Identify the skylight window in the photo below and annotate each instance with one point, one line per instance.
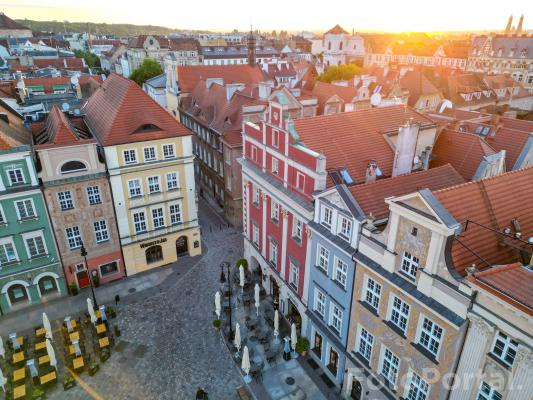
(346, 177)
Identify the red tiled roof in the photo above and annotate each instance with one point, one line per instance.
(232, 138)
(464, 151)
(72, 62)
(324, 91)
(138, 42)
(353, 139)
(181, 44)
(513, 281)
(48, 83)
(59, 130)
(371, 196)
(510, 140)
(190, 75)
(8, 23)
(117, 112)
(336, 30)
(418, 85)
(492, 202)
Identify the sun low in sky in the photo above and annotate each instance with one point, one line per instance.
(385, 15)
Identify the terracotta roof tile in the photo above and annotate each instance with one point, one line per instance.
(121, 112)
(492, 202)
(48, 83)
(60, 131)
(336, 30)
(8, 23)
(190, 75)
(371, 196)
(353, 139)
(71, 63)
(464, 151)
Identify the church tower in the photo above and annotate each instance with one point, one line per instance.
(519, 26)
(509, 24)
(251, 48)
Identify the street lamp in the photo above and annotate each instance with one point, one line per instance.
(223, 265)
(84, 255)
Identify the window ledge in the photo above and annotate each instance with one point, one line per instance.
(297, 240)
(499, 361)
(406, 276)
(361, 359)
(95, 204)
(430, 356)
(39, 256)
(395, 329)
(173, 189)
(322, 270)
(137, 196)
(371, 309)
(35, 218)
(340, 285)
(102, 241)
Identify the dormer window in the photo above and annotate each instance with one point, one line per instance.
(72, 166)
(147, 128)
(345, 229)
(327, 216)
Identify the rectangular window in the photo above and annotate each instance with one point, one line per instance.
(340, 272)
(256, 196)
(172, 181)
(100, 231)
(322, 258)
(275, 138)
(130, 156)
(7, 252)
(372, 293)
(274, 211)
(134, 187)
(300, 181)
(390, 366)
(2, 217)
(109, 269)
(175, 214)
(294, 276)
(25, 208)
(149, 153)
(504, 348)
(296, 229)
(346, 228)
(16, 177)
(255, 235)
(335, 318)
(366, 341)
(168, 151)
(486, 392)
(254, 153)
(320, 303)
(153, 184)
(273, 256)
(327, 217)
(35, 246)
(65, 200)
(417, 388)
(399, 313)
(430, 336)
(409, 264)
(93, 193)
(275, 166)
(73, 237)
(139, 221)
(158, 218)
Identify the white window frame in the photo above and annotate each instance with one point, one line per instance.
(336, 315)
(140, 223)
(8, 240)
(67, 194)
(397, 316)
(173, 183)
(487, 392)
(274, 211)
(327, 216)
(255, 234)
(365, 343)
(138, 187)
(175, 216)
(387, 357)
(273, 252)
(431, 333)
(274, 166)
(300, 177)
(24, 202)
(150, 149)
(339, 275)
(255, 199)
(73, 235)
(91, 197)
(372, 293)
(130, 152)
(416, 388)
(100, 229)
(509, 344)
(322, 258)
(320, 302)
(154, 187)
(3, 220)
(345, 228)
(14, 170)
(409, 265)
(294, 275)
(159, 217)
(297, 228)
(275, 135)
(253, 153)
(33, 235)
(171, 146)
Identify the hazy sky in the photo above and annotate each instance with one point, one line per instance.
(394, 15)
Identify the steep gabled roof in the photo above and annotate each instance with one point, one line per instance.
(418, 85)
(325, 91)
(8, 23)
(58, 131)
(190, 75)
(464, 151)
(371, 196)
(336, 30)
(493, 202)
(121, 112)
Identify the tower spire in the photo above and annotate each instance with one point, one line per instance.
(251, 47)
(509, 24)
(519, 26)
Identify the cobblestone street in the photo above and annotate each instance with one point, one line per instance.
(168, 346)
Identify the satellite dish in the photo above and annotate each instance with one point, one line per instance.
(375, 99)
(444, 105)
(104, 77)
(65, 106)
(77, 111)
(74, 80)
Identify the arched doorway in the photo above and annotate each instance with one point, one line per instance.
(256, 270)
(154, 254)
(17, 294)
(356, 390)
(182, 247)
(274, 292)
(47, 285)
(293, 315)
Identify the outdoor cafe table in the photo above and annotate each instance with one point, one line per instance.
(19, 374)
(18, 357)
(78, 363)
(40, 332)
(20, 339)
(73, 323)
(44, 359)
(100, 328)
(104, 342)
(19, 392)
(48, 377)
(72, 349)
(40, 346)
(98, 314)
(74, 336)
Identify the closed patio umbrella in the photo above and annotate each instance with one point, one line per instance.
(2, 349)
(51, 353)
(47, 327)
(237, 338)
(217, 304)
(276, 327)
(257, 297)
(294, 340)
(245, 365)
(3, 381)
(241, 276)
(90, 308)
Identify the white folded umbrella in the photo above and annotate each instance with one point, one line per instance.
(237, 338)
(47, 327)
(3, 380)
(257, 297)
(2, 349)
(241, 276)
(51, 353)
(217, 304)
(294, 339)
(245, 365)
(90, 308)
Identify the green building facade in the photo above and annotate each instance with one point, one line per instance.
(30, 267)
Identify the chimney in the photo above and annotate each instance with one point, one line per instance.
(509, 24)
(370, 175)
(405, 148)
(519, 26)
(78, 90)
(265, 89)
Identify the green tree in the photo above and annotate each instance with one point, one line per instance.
(148, 69)
(91, 59)
(343, 72)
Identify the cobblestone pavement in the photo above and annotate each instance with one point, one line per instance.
(168, 346)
